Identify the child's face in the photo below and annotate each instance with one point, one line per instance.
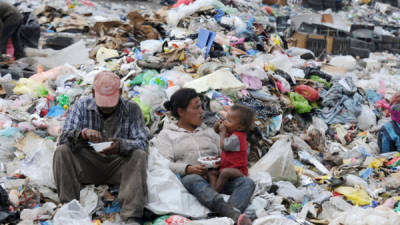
(232, 122)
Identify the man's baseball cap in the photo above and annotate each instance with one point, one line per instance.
(106, 86)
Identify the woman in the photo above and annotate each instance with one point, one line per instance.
(183, 142)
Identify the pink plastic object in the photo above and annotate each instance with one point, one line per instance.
(281, 87)
(10, 48)
(180, 2)
(383, 104)
(176, 220)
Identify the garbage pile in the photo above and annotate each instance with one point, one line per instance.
(319, 82)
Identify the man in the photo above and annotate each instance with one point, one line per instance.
(10, 21)
(105, 117)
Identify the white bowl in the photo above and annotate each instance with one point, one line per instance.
(209, 161)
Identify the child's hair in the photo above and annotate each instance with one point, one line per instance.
(246, 115)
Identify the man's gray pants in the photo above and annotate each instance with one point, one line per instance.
(72, 169)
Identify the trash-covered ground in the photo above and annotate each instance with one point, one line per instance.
(318, 73)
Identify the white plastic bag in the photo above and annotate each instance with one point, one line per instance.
(72, 213)
(278, 162)
(166, 193)
(366, 119)
(348, 62)
(151, 46)
(274, 220)
(38, 162)
(287, 189)
(213, 221)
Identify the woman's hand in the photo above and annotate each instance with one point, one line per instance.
(196, 169)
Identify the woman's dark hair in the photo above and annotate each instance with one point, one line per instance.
(180, 99)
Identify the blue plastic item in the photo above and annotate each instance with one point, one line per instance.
(114, 208)
(219, 15)
(205, 39)
(9, 132)
(55, 111)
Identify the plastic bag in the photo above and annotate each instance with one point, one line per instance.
(346, 62)
(287, 189)
(366, 119)
(300, 104)
(30, 87)
(176, 220)
(37, 150)
(307, 92)
(274, 220)
(213, 221)
(72, 213)
(278, 162)
(357, 196)
(151, 46)
(166, 193)
(369, 216)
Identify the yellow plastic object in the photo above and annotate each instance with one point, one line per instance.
(357, 196)
(103, 54)
(377, 163)
(269, 67)
(365, 1)
(30, 87)
(97, 222)
(276, 40)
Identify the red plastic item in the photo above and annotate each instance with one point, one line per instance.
(269, 10)
(392, 161)
(129, 59)
(307, 92)
(180, 2)
(177, 220)
(10, 48)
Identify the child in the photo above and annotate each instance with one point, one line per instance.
(233, 143)
(389, 134)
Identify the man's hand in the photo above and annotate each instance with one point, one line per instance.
(114, 148)
(197, 169)
(93, 135)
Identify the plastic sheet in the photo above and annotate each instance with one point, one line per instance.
(166, 193)
(278, 161)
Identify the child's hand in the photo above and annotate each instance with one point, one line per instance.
(216, 126)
